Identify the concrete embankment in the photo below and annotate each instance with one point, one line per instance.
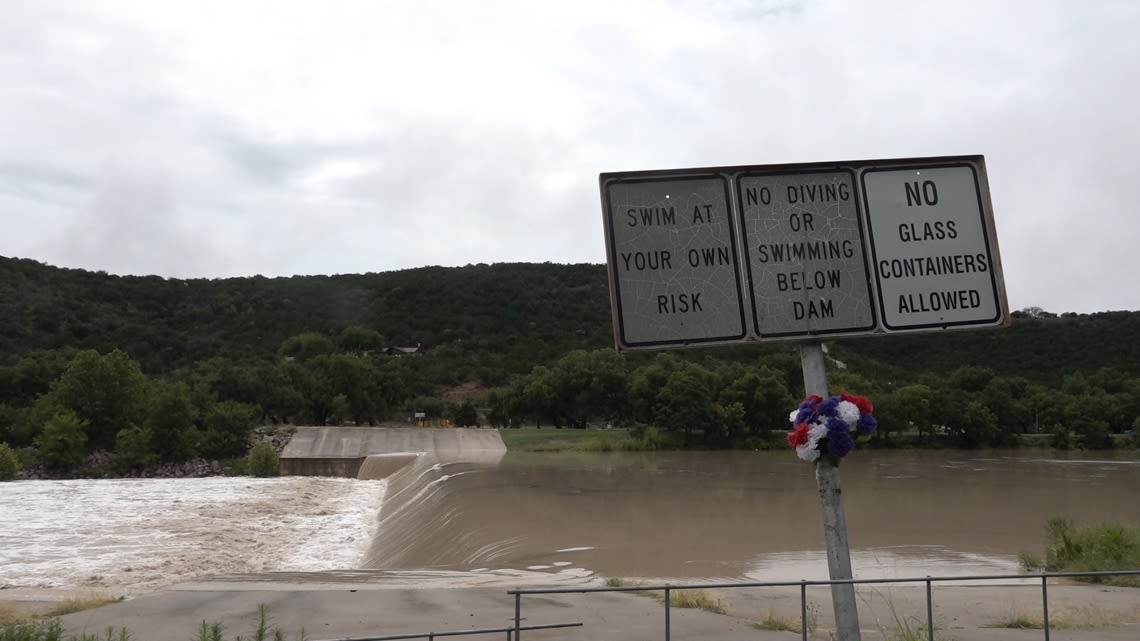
(344, 451)
(386, 606)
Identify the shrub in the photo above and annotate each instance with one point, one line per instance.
(1091, 549)
(228, 428)
(133, 449)
(9, 464)
(63, 444)
(263, 460)
(1062, 438)
(466, 415)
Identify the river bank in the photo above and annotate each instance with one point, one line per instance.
(552, 439)
(569, 519)
(387, 605)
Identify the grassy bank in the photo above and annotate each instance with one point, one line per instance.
(550, 439)
(1093, 548)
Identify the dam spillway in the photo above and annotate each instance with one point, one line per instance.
(416, 523)
(379, 452)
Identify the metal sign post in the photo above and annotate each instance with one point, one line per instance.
(802, 252)
(831, 500)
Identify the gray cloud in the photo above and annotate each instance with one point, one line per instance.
(212, 139)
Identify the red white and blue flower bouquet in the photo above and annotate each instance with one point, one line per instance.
(828, 428)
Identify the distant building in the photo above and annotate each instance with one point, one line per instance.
(395, 350)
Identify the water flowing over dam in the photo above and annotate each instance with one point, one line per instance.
(421, 466)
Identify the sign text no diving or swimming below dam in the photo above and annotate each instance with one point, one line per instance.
(804, 251)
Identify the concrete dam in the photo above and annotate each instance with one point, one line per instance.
(378, 452)
(424, 469)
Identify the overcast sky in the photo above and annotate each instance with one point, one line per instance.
(233, 138)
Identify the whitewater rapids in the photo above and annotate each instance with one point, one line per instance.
(135, 535)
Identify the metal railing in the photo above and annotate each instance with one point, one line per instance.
(514, 629)
(928, 581)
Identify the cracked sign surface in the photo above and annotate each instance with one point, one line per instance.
(931, 246)
(673, 261)
(804, 249)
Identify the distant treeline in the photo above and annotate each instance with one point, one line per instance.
(501, 344)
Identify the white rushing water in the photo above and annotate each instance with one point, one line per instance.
(134, 535)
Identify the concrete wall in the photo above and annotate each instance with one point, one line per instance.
(347, 467)
(378, 452)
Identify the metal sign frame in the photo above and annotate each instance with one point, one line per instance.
(644, 303)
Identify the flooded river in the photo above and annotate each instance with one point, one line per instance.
(537, 518)
(698, 515)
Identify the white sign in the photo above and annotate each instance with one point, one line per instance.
(814, 250)
(673, 261)
(806, 267)
(934, 262)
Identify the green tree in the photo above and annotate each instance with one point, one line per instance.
(228, 427)
(9, 463)
(15, 428)
(62, 445)
(104, 391)
(133, 450)
(761, 393)
(355, 379)
(1003, 396)
(311, 382)
(729, 424)
(281, 401)
(976, 427)
(466, 415)
(646, 382)
(360, 340)
(538, 396)
(263, 460)
(32, 376)
(588, 384)
(971, 378)
(685, 403)
(170, 420)
(305, 346)
(913, 408)
(431, 407)
(500, 408)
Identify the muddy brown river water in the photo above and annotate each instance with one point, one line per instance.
(713, 515)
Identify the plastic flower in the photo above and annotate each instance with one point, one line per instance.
(829, 426)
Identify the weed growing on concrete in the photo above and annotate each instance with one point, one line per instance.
(903, 627)
(262, 630)
(694, 599)
(1063, 618)
(51, 629)
(780, 623)
(79, 604)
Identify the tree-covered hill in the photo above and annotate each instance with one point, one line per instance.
(498, 317)
(1043, 348)
(489, 321)
(163, 369)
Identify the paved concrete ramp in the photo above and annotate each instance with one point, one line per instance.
(378, 452)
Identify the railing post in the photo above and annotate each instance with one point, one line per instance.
(518, 615)
(667, 598)
(1045, 605)
(929, 612)
(803, 610)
